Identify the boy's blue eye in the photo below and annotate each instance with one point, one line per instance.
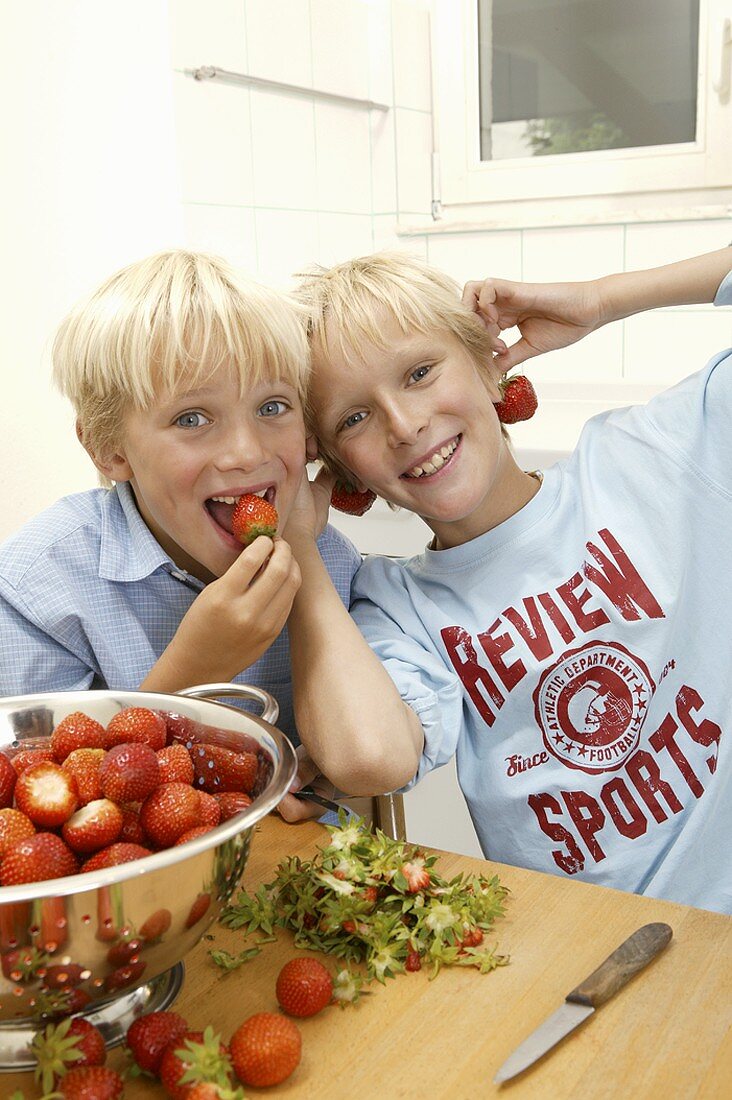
(273, 408)
(353, 419)
(191, 420)
(419, 373)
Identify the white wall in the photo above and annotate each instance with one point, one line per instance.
(114, 152)
(89, 183)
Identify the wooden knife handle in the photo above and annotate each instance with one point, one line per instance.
(619, 968)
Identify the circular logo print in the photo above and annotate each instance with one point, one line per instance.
(590, 706)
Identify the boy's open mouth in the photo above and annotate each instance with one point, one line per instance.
(221, 508)
(435, 461)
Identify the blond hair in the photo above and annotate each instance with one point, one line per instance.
(346, 303)
(169, 322)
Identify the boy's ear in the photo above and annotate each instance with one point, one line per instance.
(311, 448)
(493, 375)
(114, 466)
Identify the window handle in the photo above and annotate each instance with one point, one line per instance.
(722, 86)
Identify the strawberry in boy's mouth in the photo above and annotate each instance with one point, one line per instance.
(434, 462)
(221, 508)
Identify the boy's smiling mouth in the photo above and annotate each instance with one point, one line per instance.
(221, 508)
(434, 462)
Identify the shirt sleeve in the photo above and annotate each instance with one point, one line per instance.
(400, 641)
(32, 661)
(694, 418)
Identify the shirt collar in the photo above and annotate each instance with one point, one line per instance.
(128, 550)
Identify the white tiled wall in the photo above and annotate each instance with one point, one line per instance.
(277, 179)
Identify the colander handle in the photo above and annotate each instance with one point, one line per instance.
(270, 706)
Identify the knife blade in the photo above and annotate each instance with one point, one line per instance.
(632, 955)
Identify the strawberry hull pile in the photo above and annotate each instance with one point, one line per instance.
(375, 902)
(91, 797)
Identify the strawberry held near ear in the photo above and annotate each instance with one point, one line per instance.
(518, 399)
(253, 516)
(347, 498)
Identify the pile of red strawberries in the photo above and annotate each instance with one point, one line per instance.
(91, 797)
(190, 1064)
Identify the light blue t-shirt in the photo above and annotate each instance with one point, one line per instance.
(577, 658)
(89, 599)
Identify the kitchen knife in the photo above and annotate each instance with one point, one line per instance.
(637, 951)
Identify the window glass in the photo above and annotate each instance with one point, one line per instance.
(568, 76)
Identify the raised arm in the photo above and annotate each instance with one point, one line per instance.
(349, 714)
(553, 315)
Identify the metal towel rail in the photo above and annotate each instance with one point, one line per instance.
(223, 76)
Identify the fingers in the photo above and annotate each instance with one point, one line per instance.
(293, 809)
(515, 354)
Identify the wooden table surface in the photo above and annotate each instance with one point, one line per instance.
(667, 1035)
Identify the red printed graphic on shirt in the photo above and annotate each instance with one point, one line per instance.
(490, 665)
(654, 785)
(590, 706)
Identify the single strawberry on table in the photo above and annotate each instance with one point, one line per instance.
(304, 987)
(345, 497)
(91, 1083)
(518, 399)
(253, 516)
(265, 1049)
(148, 1036)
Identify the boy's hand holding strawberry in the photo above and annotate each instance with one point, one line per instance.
(234, 620)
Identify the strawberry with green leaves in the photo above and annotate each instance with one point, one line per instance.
(148, 1036)
(193, 1058)
(518, 399)
(59, 1047)
(253, 516)
(345, 497)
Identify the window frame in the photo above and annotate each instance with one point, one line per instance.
(614, 174)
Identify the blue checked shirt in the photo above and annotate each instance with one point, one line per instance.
(89, 599)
